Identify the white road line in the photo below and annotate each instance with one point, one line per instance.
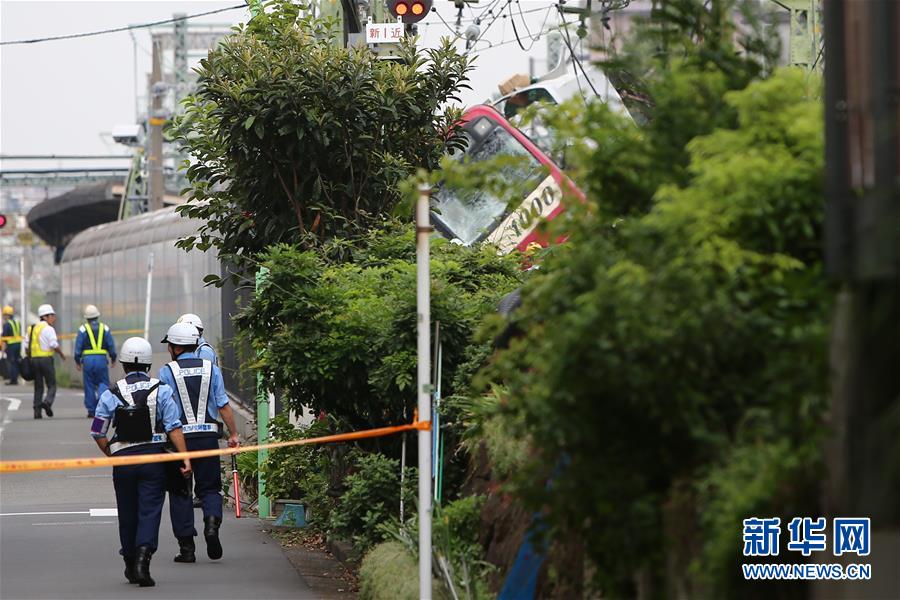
(76, 523)
(14, 403)
(94, 512)
(31, 514)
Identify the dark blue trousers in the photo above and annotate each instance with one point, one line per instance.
(12, 360)
(140, 493)
(95, 375)
(207, 487)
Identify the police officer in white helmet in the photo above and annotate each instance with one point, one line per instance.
(204, 348)
(200, 393)
(140, 412)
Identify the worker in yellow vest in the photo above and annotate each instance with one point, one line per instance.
(95, 351)
(41, 344)
(11, 343)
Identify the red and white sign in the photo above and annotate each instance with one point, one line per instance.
(384, 33)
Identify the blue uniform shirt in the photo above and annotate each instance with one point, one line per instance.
(217, 393)
(82, 342)
(207, 352)
(166, 410)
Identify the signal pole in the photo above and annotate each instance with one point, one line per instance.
(157, 120)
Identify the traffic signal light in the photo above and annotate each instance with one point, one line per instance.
(2, 221)
(410, 11)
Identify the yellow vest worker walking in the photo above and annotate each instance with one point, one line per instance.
(95, 351)
(41, 344)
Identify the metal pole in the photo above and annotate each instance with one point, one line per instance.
(149, 294)
(157, 119)
(262, 424)
(423, 326)
(23, 303)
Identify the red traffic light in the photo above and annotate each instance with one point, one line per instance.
(410, 11)
(2, 221)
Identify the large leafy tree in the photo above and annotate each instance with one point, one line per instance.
(671, 373)
(296, 139)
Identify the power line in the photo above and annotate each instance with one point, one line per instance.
(577, 60)
(530, 36)
(488, 26)
(118, 29)
(538, 36)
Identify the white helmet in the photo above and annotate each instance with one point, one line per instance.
(45, 309)
(91, 312)
(191, 319)
(136, 351)
(182, 334)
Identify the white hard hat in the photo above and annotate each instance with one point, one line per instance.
(182, 334)
(136, 351)
(45, 309)
(91, 312)
(190, 319)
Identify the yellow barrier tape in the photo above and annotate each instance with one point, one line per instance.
(59, 464)
(72, 336)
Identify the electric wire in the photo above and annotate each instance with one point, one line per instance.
(530, 36)
(118, 29)
(568, 41)
(490, 24)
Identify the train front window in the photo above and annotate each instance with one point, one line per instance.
(470, 215)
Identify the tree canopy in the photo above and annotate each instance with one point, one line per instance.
(295, 139)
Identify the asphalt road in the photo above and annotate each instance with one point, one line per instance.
(59, 533)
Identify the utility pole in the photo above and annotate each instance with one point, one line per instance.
(862, 252)
(157, 120)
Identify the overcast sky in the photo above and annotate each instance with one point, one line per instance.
(59, 97)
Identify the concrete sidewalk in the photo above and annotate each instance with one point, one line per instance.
(59, 538)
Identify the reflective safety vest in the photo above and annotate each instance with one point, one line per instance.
(192, 382)
(34, 347)
(16, 337)
(96, 345)
(141, 393)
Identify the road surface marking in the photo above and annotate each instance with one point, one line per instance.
(76, 523)
(30, 514)
(94, 512)
(14, 403)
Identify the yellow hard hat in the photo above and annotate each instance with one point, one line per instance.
(8, 310)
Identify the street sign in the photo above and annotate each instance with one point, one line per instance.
(384, 33)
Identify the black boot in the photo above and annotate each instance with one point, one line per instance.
(186, 550)
(211, 533)
(37, 414)
(142, 567)
(48, 409)
(129, 570)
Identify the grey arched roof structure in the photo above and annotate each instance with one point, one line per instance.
(143, 230)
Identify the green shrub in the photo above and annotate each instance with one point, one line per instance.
(390, 572)
(304, 472)
(371, 497)
(337, 326)
(677, 357)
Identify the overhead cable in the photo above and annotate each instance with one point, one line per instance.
(118, 29)
(568, 41)
(530, 36)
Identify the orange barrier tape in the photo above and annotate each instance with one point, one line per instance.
(58, 464)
